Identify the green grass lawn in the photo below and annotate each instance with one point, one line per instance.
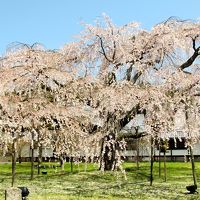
(93, 184)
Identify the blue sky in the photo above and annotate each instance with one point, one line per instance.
(55, 22)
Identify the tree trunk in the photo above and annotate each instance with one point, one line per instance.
(138, 153)
(62, 163)
(152, 159)
(32, 157)
(19, 155)
(165, 170)
(32, 163)
(39, 158)
(13, 162)
(108, 161)
(109, 147)
(85, 164)
(193, 165)
(159, 162)
(71, 162)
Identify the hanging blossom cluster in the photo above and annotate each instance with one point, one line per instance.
(40, 96)
(79, 98)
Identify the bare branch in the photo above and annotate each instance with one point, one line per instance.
(194, 44)
(114, 51)
(103, 50)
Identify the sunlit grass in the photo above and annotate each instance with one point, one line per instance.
(93, 184)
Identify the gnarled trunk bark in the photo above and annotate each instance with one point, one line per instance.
(108, 154)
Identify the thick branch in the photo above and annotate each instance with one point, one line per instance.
(196, 53)
(129, 116)
(136, 77)
(128, 73)
(190, 61)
